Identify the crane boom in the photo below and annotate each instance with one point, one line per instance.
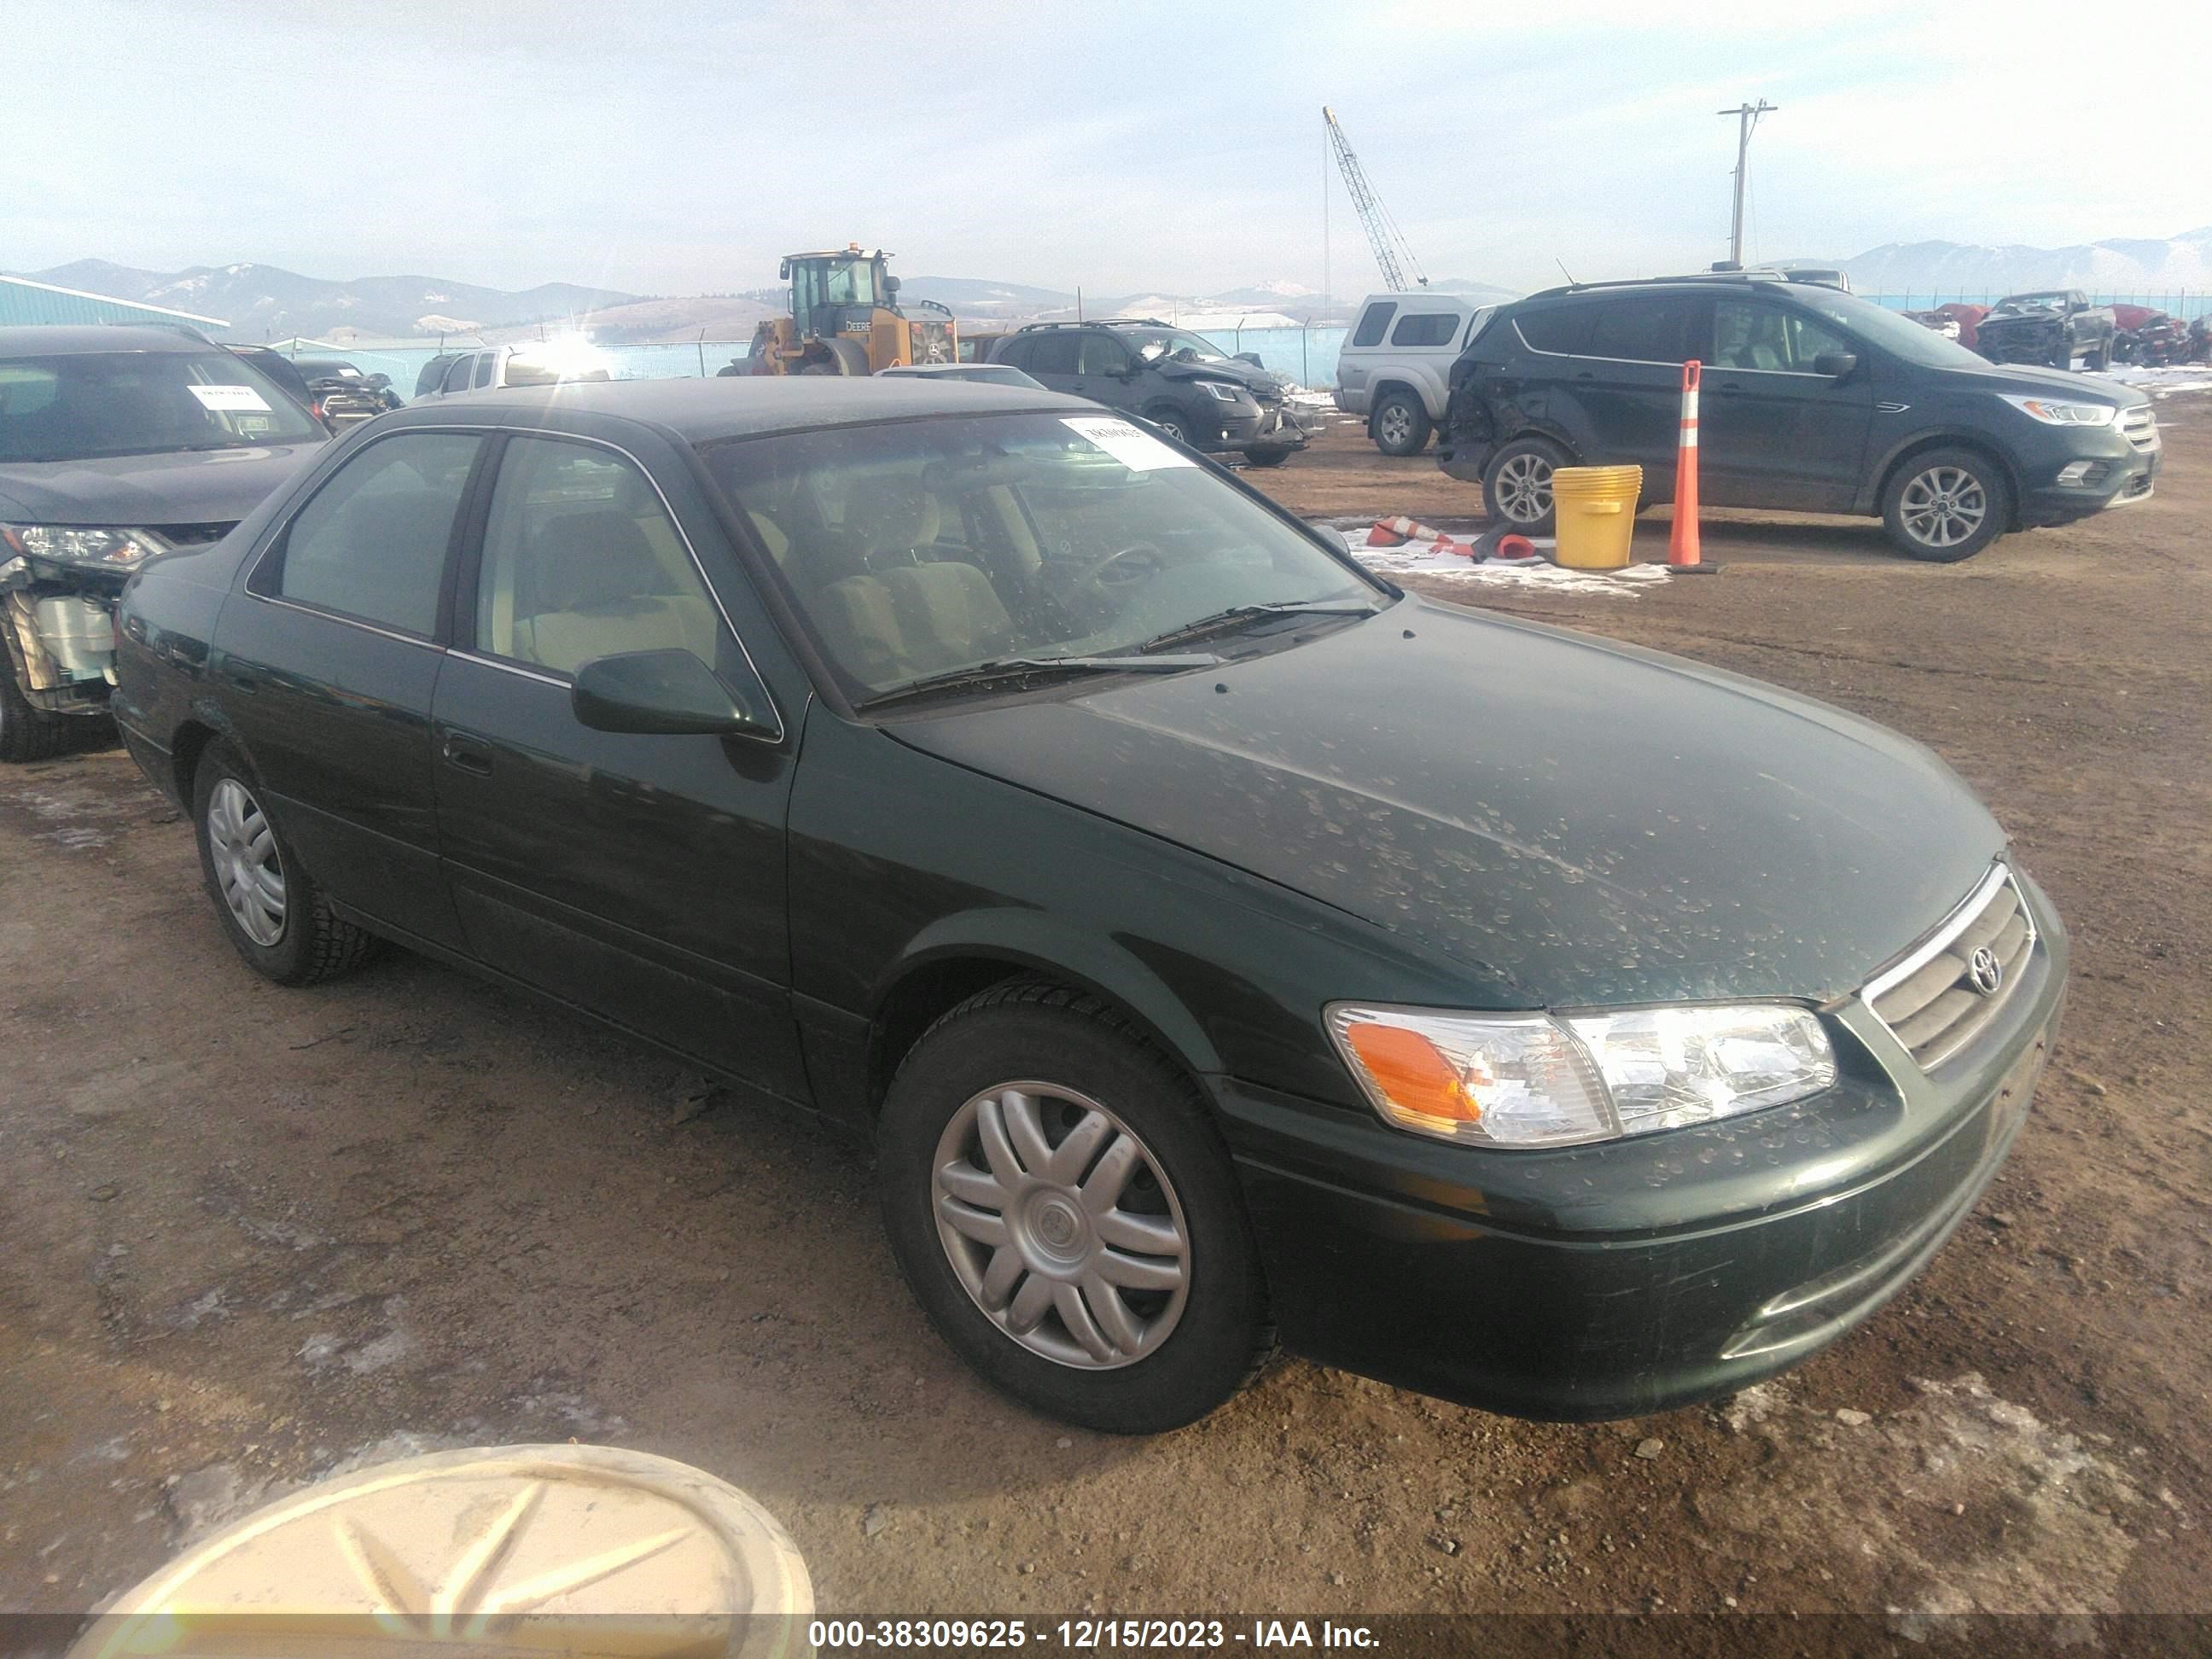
(1391, 252)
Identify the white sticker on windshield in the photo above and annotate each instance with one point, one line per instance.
(1132, 446)
(228, 399)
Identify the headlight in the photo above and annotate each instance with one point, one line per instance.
(1227, 394)
(2052, 413)
(116, 549)
(1532, 1081)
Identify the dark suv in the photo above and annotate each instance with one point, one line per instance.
(1183, 383)
(1812, 401)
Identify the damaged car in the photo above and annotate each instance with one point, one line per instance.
(116, 444)
(2053, 327)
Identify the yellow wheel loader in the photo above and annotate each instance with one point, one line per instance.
(845, 319)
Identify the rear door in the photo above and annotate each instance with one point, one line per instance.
(641, 877)
(329, 661)
(1772, 430)
(1052, 358)
(1627, 378)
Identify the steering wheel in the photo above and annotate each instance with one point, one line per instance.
(1131, 563)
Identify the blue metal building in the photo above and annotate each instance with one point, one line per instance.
(24, 301)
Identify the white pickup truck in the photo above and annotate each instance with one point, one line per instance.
(1396, 366)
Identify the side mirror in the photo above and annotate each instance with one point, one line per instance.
(1835, 364)
(891, 283)
(665, 693)
(1251, 357)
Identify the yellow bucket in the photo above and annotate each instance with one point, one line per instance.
(1596, 514)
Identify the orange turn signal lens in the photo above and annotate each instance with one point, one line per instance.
(1412, 1072)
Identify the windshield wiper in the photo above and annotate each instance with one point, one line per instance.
(1018, 668)
(1222, 621)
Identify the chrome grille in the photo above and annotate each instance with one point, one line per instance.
(2140, 426)
(1931, 1001)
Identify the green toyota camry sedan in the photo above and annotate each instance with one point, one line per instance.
(1220, 946)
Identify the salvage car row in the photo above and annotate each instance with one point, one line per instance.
(982, 770)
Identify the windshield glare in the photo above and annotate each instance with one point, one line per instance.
(1892, 331)
(93, 404)
(2054, 301)
(1183, 346)
(925, 547)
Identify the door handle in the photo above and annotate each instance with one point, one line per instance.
(469, 754)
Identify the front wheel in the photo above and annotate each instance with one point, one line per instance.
(1946, 505)
(1065, 1211)
(1170, 420)
(1517, 485)
(27, 733)
(1267, 457)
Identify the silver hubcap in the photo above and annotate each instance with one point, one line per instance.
(1396, 425)
(1943, 507)
(1524, 488)
(1062, 1225)
(246, 866)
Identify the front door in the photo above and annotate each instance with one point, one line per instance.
(328, 664)
(641, 877)
(1102, 369)
(1772, 430)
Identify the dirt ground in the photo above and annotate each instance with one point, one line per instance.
(247, 1233)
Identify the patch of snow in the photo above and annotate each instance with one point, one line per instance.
(2164, 380)
(1423, 558)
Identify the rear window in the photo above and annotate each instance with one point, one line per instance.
(1373, 321)
(93, 403)
(1562, 329)
(1425, 328)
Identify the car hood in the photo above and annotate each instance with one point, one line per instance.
(1256, 380)
(1571, 822)
(214, 486)
(2028, 380)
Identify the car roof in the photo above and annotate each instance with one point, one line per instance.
(75, 339)
(701, 411)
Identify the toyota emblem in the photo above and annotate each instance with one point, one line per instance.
(1984, 972)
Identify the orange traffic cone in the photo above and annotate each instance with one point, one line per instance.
(1683, 555)
(1396, 533)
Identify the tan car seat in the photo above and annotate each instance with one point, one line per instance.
(602, 591)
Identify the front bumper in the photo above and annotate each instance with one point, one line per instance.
(1271, 426)
(2069, 476)
(1638, 1275)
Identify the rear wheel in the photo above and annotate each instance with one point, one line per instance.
(1946, 505)
(274, 915)
(27, 733)
(1067, 1215)
(1517, 485)
(1267, 457)
(1401, 425)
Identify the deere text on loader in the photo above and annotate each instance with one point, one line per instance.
(845, 319)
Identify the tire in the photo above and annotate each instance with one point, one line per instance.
(1169, 420)
(1516, 484)
(1941, 492)
(303, 943)
(1193, 1327)
(27, 733)
(2101, 359)
(1267, 457)
(1401, 425)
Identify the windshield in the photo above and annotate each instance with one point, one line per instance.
(93, 403)
(1181, 345)
(924, 547)
(850, 283)
(2053, 300)
(1892, 331)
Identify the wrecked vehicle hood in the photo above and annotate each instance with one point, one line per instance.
(1258, 381)
(212, 486)
(1569, 821)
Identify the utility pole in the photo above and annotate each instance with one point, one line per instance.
(1747, 117)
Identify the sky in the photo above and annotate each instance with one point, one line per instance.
(679, 146)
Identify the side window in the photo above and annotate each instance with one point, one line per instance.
(1054, 353)
(457, 375)
(580, 560)
(1648, 328)
(1749, 335)
(1425, 328)
(1015, 350)
(1373, 321)
(1563, 329)
(1101, 354)
(485, 365)
(372, 541)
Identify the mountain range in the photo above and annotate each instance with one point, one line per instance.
(2122, 265)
